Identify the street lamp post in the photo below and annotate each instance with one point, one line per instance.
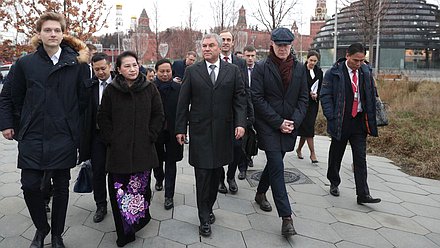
(335, 40)
(376, 67)
(118, 23)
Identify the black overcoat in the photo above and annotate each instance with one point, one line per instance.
(130, 119)
(272, 105)
(215, 111)
(166, 145)
(48, 98)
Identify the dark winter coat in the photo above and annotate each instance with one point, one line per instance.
(9, 118)
(48, 98)
(333, 100)
(88, 121)
(216, 110)
(170, 95)
(130, 119)
(272, 104)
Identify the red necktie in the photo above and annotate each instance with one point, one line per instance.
(354, 86)
(226, 59)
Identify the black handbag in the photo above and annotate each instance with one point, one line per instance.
(381, 113)
(84, 180)
(250, 143)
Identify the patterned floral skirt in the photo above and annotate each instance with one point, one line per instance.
(130, 196)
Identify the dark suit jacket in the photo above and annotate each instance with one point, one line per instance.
(88, 125)
(179, 68)
(272, 104)
(215, 111)
(241, 63)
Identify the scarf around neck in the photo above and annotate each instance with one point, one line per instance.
(284, 67)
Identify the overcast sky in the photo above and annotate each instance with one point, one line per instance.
(174, 13)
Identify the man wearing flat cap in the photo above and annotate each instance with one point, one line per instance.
(280, 97)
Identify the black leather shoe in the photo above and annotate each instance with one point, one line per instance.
(168, 204)
(121, 242)
(205, 229)
(242, 175)
(100, 214)
(262, 201)
(57, 242)
(211, 218)
(334, 190)
(233, 187)
(367, 199)
(222, 188)
(158, 186)
(287, 228)
(38, 241)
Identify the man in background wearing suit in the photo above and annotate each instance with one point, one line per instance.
(93, 147)
(239, 156)
(217, 96)
(179, 66)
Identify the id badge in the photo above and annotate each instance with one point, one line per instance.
(356, 96)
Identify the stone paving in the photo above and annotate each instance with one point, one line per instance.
(408, 216)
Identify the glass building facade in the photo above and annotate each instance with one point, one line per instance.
(409, 34)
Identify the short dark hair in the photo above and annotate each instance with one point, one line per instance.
(162, 61)
(100, 56)
(149, 69)
(227, 31)
(355, 48)
(313, 53)
(238, 52)
(249, 48)
(51, 16)
(124, 55)
(191, 53)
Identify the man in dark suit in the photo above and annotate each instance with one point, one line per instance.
(93, 147)
(217, 96)
(179, 66)
(280, 97)
(239, 156)
(348, 102)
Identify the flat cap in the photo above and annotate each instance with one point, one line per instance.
(282, 36)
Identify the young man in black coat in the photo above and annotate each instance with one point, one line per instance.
(280, 96)
(217, 96)
(47, 92)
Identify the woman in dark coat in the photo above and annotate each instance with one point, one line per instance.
(130, 118)
(168, 150)
(307, 128)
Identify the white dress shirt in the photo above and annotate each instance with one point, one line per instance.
(102, 87)
(216, 70)
(56, 57)
(350, 74)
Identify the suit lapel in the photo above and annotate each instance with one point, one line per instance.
(203, 71)
(223, 71)
(276, 72)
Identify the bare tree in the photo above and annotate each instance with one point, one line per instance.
(224, 13)
(367, 14)
(156, 27)
(272, 13)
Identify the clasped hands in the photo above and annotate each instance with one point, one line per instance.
(239, 132)
(287, 126)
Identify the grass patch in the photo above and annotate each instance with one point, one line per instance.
(412, 139)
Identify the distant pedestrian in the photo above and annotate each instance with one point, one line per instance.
(307, 128)
(348, 101)
(179, 66)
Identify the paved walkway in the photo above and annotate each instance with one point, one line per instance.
(409, 215)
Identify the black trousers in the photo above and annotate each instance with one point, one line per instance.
(273, 176)
(353, 132)
(98, 158)
(240, 162)
(31, 181)
(207, 181)
(169, 176)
